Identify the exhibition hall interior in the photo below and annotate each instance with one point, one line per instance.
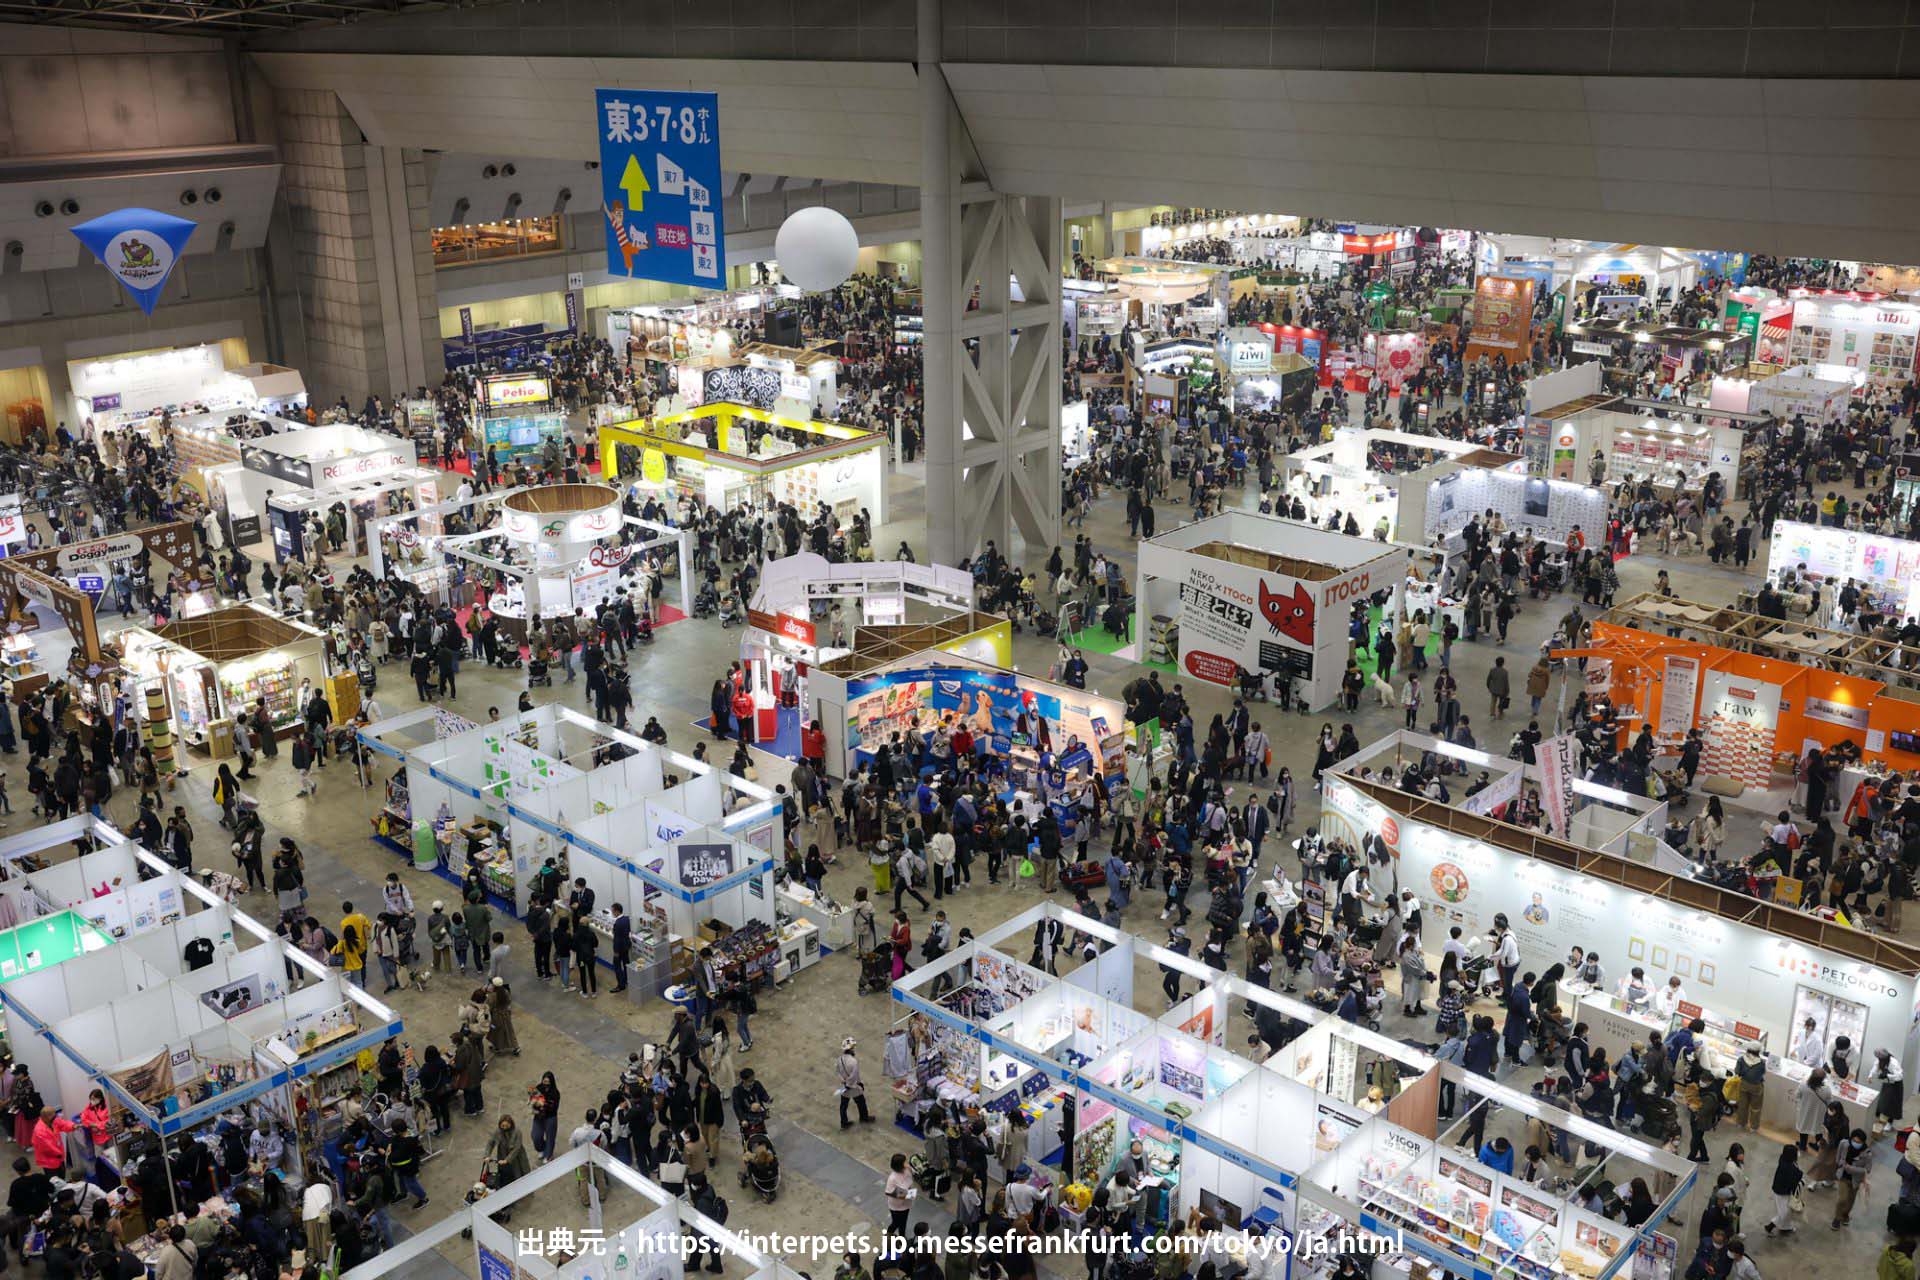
(958, 640)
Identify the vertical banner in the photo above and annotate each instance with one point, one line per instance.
(1559, 758)
(1679, 691)
(660, 185)
(466, 325)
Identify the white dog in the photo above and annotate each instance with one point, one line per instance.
(1388, 698)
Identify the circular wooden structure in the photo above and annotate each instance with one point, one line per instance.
(562, 499)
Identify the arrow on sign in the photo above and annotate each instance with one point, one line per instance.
(633, 181)
(673, 179)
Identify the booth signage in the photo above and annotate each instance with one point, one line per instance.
(521, 390)
(703, 864)
(267, 462)
(660, 185)
(87, 555)
(102, 404)
(609, 557)
(366, 466)
(1831, 712)
(1591, 349)
(13, 525)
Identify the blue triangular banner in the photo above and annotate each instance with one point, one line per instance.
(139, 246)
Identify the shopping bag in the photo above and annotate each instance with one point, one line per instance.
(1026, 868)
(1797, 1202)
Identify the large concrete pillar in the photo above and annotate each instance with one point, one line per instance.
(362, 254)
(992, 372)
(939, 305)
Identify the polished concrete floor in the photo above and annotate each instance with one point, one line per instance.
(834, 1177)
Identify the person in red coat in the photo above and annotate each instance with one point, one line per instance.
(813, 747)
(743, 714)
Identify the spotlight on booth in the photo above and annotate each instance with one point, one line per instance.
(816, 248)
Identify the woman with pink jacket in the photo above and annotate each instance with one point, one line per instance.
(50, 1140)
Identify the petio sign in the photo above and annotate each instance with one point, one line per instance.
(103, 551)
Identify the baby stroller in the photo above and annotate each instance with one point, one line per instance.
(761, 1169)
(538, 672)
(706, 602)
(1083, 875)
(876, 970)
(363, 671)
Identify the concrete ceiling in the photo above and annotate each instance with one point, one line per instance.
(1823, 168)
(1818, 167)
(854, 121)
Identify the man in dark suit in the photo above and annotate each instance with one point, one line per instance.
(622, 945)
(1254, 818)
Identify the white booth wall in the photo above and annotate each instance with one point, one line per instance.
(1444, 502)
(1730, 968)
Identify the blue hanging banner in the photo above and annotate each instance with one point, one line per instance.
(660, 185)
(139, 246)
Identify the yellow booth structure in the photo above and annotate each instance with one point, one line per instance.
(727, 454)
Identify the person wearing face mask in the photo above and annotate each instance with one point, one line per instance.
(1889, 1108)
(1855, 1161)
(1809, 1047)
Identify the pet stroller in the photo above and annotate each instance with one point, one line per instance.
(538, 672)
(1084, 875)
(876, 969)
(761, 1169)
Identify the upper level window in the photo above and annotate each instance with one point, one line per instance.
(486, 241)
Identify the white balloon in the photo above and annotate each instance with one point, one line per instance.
(816, 248)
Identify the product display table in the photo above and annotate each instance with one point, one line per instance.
(835, 924)
(1610, 1025)
(1778, 1109)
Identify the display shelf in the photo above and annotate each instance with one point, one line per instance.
(274, 685)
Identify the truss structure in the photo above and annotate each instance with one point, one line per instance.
(233, 17)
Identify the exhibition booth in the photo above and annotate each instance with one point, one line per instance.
(1598, 817)
(1438, 501)
(629, 1226)
(1338, 1132)
(1803, 686)
(181, 1009)
(796, 610)
(1162, 374)
(730, 454)
(214, 668)
(1043, 737)
(1753, 970)
(1349, 474)
(297, 518)
(688, 849)
(1816, 395)
(516, 417)
(1261, 378)
(1885, 569)
(1676, 453)
(1866, 333)
(1241, 604)
(304, 461)
(1092, 309)
(114, 392)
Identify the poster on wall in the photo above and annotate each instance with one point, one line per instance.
(1237, 617)
(1502, 314)
(1739, 717)
(703, 864)
(1679, 691)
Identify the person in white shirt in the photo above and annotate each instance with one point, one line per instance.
(316, 1212)
(1809, 1046)
(1667, 1002)
(1455, 947)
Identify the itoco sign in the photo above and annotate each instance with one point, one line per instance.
(91, 555)
(1347, 589)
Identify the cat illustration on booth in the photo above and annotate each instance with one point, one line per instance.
(1290, 616)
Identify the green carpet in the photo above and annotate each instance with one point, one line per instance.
(1366, 658)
